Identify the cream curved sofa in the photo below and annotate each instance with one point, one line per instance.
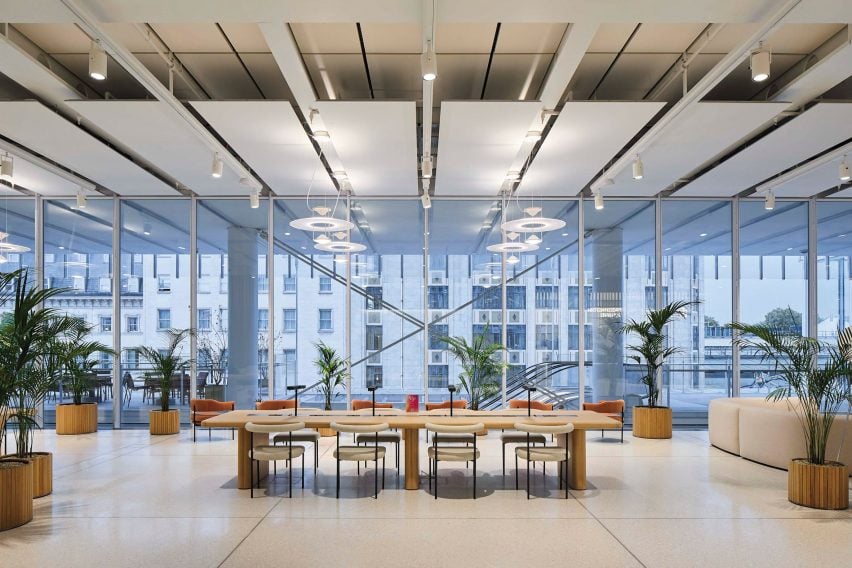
(768, 432)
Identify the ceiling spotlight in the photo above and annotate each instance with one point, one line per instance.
(769, 201)
(761, 60)
(97, 62)
(844, 173)
(533, 239)
(426, 201)
(599, 202)
(81, 199)
(429, 63)
(513, 260)
(146, 229)
(217, 168)
(638, 169)
(7, 166)
(426, 166)
(533, 136)
(322, 136)
(254, 198)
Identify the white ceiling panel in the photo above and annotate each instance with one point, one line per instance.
(30, 176)
(152, 131)
(704, 131)
(812, 182)
(585, 136)
(270, 138)
(376, 142)
(478, 143)
(35, 126)
(821, 127)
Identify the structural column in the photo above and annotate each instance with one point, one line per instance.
(607, 252)
(242, 316)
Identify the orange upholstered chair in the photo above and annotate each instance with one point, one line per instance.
(364, 404)
(612, 408)
(534, 404)
(275, 405)
(445, 404)
(200, 409)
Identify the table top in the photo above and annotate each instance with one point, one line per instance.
(505, 419)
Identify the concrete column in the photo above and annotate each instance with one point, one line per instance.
(607, 252)
(242, 316)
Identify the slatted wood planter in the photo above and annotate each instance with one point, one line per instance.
(16, 493)
(42, 473)
(818, 486)
(76, 418)
(654, 423)
(164, 423)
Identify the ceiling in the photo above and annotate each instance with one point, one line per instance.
(603, 84)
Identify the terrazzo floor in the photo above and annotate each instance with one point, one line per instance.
(124, 498)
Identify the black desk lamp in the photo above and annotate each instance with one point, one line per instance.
(296, 388)
(530, 389)
(452, 389)
(372, 389)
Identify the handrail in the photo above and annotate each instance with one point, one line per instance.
(532, 375)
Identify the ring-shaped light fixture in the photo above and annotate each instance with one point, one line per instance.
(532, 225)
(342, 246)
(510, 247)
(322, 224)
(10, 247)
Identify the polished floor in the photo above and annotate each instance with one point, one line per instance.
(123, 498)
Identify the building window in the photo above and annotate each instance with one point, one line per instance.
(164, 319)
(262, 320)
(104, 360)
(325, 320)
(373, 300)
(436, 332)
(547, 297)
(486, 298)
(289, 320)
(132, 360)
(132, 324)
(204, 319)
(164, 283)
(374, 337)
(546, 337)
(290, 366)
(516, 298)
(516, 337)
(374, 376)
(289, 284)
(106, 324)
(439, 376)
(439, 297)
(325, 285)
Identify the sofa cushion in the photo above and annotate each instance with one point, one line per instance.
(723, 424)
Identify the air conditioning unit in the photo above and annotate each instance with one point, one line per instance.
(437, 278)
(545, 356)
(546, 317)
(374, 317)
(547, 281)
(517, 357)
(484, 280)
(437, 357)
(372, 281)
(516, 316)
(374, 358)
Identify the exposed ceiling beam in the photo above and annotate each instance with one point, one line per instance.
(36, 160)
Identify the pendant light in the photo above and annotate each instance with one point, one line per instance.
(532, 222)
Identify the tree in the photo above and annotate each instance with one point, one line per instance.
(710, 321)
(784, 318)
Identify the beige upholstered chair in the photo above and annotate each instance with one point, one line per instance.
(521, 437)
(441, 451)
(388, 437)
(361, 453)
(543, 454)
(274, 453)
(306, 436)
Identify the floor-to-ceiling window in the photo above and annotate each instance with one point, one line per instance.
(697, 267)
(834, 267)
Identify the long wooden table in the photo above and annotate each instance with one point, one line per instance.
(411, 424)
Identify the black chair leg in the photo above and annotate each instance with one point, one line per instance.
(303, 470)
(504, 460)
(528, 476)
(383, 473)
(517, 485)
(251, 479)
(290, 474)
(436, 477)
(209, 434)
(474, 478)
(193, 432)
(338, 479)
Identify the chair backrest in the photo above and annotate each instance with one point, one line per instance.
(544, 428)
(362, 404)
(455, 428)
(605, 406)
(360, 428)
(534, 404)
(209, 405)
(275, 428)
(274, 404)
(446, 404)
(379, 410)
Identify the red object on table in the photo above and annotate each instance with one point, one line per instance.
(412, 403)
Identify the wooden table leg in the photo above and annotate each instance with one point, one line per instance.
(411, 437)
(577, 466)
(243, 461)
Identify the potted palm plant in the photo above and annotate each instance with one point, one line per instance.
(164, 364)
(76, 359)
(333, 371)
(815, 380)
(653, 420)
(480, 365)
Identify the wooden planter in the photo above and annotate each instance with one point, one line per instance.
(77, 418)
(326, 432)
(654, 423)
(42, 473)
(818, 486)
(163, 423)
(16, 493)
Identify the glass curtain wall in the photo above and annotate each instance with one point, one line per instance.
(155, 298)
(773, 280)
(697, 267)
(834, 268)
(620, 261)
(78, 258)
